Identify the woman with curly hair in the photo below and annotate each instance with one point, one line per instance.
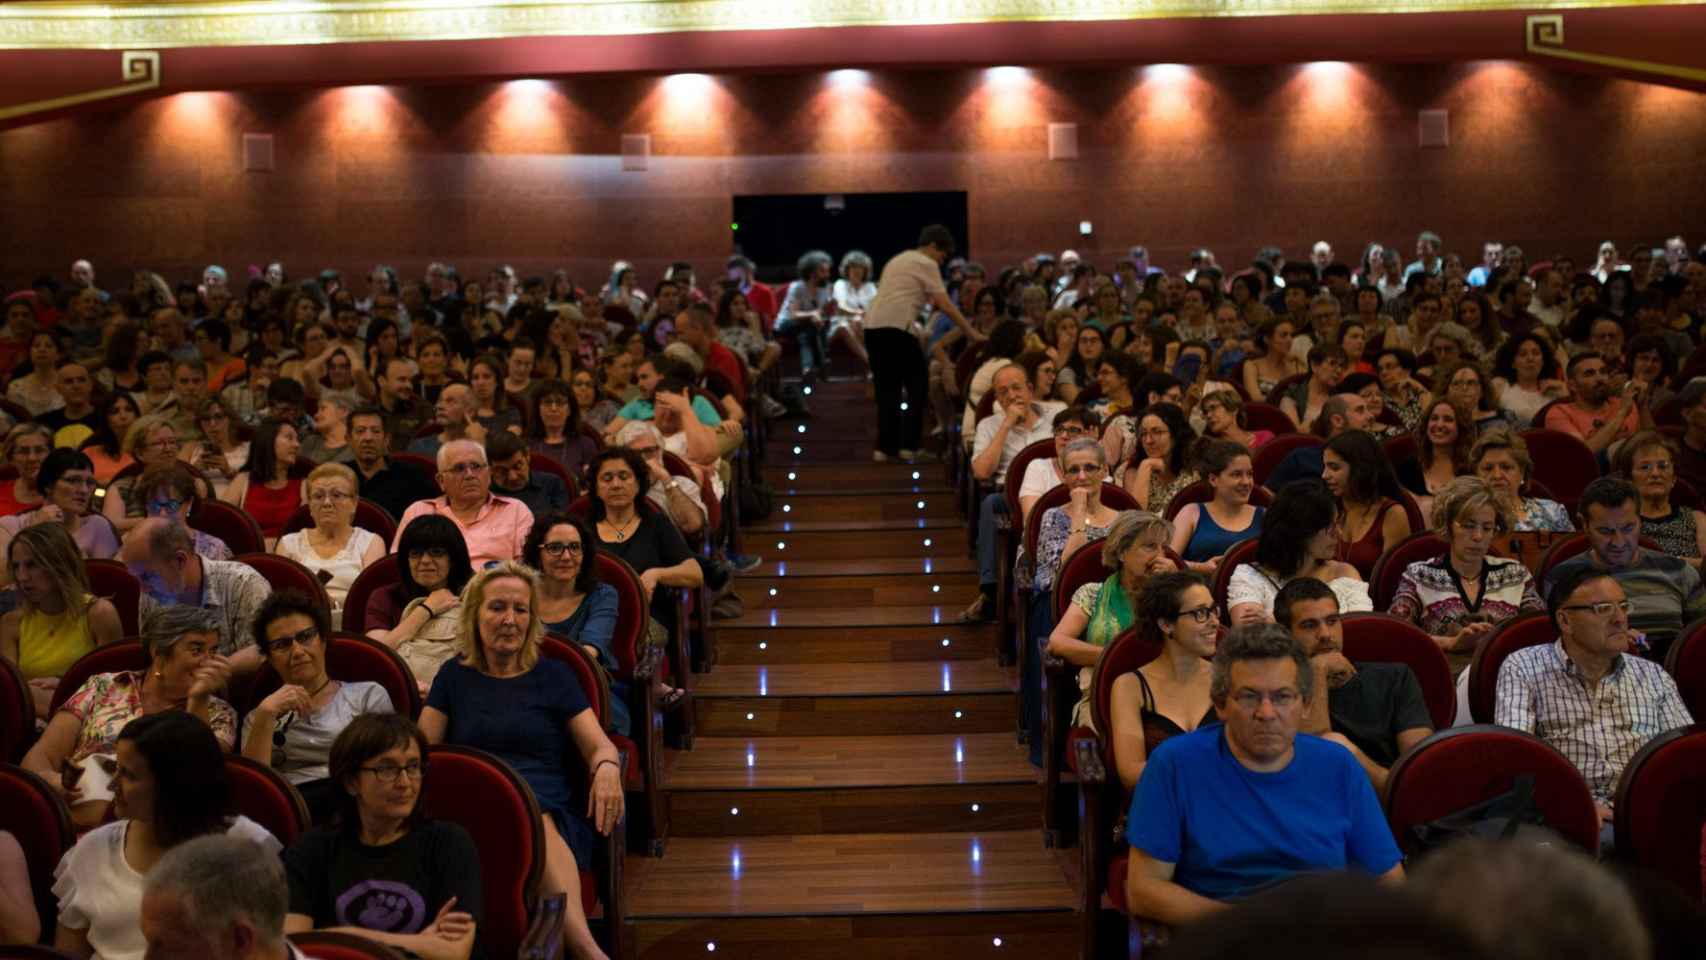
(806, 308)
(1443, 442)
(853, 294)
(1160, 466)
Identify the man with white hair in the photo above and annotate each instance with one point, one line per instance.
(494, 527)
(1320, 255)
(217, 897)
(680, 497)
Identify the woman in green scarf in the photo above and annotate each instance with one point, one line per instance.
(1136, 547)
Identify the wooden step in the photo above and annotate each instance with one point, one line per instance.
(869, 714)
(852, 679)
(812, 763)
(955, 590)
(941, 540)
(902, 526)
(852, 475)
(766, 813)
(872, 508)
(848, 569)
(1050, 934)
(772, 645)
(848, 617)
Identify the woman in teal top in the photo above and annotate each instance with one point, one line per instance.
(1203, 532)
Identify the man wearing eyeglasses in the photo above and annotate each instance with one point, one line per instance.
(1585, 694)
(1374, 710)
(1229, 809)
(495, 527)
(1664, 592)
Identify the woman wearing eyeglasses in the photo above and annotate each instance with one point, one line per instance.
(153, 442)
(220, 453)
(383, 872)
(1169, 695)
(67, 482)
(292, 729)
(555, 431)
(420, 617)
(334, 547)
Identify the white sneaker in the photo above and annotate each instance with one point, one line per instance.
(881, 457)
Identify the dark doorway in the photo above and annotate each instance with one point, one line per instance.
(775, 229)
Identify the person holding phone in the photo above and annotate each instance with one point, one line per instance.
(1598, 414)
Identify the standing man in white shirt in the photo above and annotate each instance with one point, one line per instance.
(911, 281)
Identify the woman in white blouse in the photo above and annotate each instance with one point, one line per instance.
(853, 293)
(334, 548)
(1298, 540)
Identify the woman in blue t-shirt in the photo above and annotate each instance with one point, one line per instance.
(501, 697)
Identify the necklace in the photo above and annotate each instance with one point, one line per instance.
(316, 691)
(620, 533)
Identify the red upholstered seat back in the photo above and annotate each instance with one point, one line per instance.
(32, 813)
(325, 945)
(112, 580)
(261, 794)
(1661, 806)
(1266, 416)
(424, 465)
(1389, 569)
(1458, 768)
(970, 359)
(1125, 653)
(380, 575)
(1686, 663)
(1567, 462)
(593, 682)
(111, 658)
(17, 714)
(286, 574)
(1381, 638)
(369, 516)
(1016, 473)
(1276, 450)
(353, 657)
(1506, 639)
(631, 611)
(484, 796)
(540, 463)
(239, 530)
(1399, 448)
(1244, 551)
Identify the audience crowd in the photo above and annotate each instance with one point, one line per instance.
(449, 464)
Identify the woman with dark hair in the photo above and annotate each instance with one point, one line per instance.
(1117, 378)
(1652, 364)
(741, 329)
(383, 872)
(292, 729)
(1299, 539)
(1371, 519)
(1164, 440)
(1475, 314)
(643, 536)
(1443, 444)
(419, 617)
(169, 786)
(106, 447)
(35, 383)
(1353, 340)
(1106, 309)
(1273, 360)
(1464, 383)
(58, 619)
(1618, 297)
(124, 347)
(494, 409)
(806, 308)
(556, 428)
(1526, 377)
(270, 488)
(67, 482)
(382, 343)
(1397, 369)
(1169, 695)
(1203, 532)
(221, 452)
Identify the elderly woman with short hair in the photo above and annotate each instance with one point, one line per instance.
(1136, 547)
(1460, 595)
(853, 293)
(502, 697)
(1500, 458)
(184, 669)
(1648, 460)
(334, 548)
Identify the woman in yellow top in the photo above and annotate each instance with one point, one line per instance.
(58, 619)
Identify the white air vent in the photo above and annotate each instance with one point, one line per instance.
(636, 151)
(257, 152)
(1063, 141)
(1434, 128)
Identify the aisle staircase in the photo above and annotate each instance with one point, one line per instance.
(855, 789)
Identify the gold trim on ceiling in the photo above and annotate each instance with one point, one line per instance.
(127, 25)
(139, 69)
(1544, 36)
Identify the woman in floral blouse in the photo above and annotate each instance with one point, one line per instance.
(184, 668)
(1500, 457)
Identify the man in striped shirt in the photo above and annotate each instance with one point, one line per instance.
(1585, 694)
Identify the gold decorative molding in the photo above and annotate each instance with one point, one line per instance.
(139, 69)
(1544, 36)
(120, 25)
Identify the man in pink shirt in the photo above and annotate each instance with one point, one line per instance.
(1592, 414)
(495, 527)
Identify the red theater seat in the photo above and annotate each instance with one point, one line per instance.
(326, 945)
(1274, 452)
(263, 795)
(1506, 639)
(112, 658)
(1381, 638)
(381, 575)
(112, 580)
(286, 574)
(17, 714)
(1661, 806)
(33, 814)
(1686, 664)
(1389, 569)
(234, 526)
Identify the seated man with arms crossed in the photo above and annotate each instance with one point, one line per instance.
(1584, 693)
(1226, 810)
(1374, 710)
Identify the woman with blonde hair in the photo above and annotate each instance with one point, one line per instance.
(58, 619)
(853, 293)
(334, 547)
(502, 697)
(152, 442)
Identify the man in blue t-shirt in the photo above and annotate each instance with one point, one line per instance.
(1228, 809)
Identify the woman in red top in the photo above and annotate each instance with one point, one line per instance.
(26, 447)
(270, 487)
(1371, 518)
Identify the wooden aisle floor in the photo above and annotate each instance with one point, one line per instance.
(855, 789)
